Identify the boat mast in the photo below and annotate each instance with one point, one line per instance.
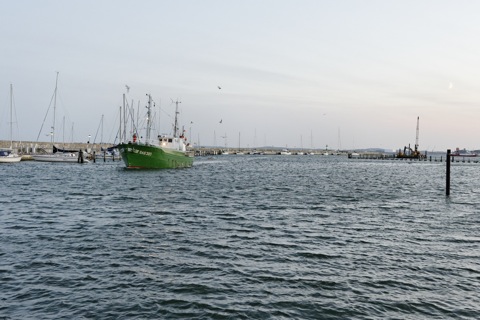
(123, 134)
(149, 122)
(175, 128)
(135, 125)
(11, 123)
(54, 108)
(63, 132)
(120, 140)
(101, 136)
(71, 138)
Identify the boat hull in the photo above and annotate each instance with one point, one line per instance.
(139, 156)
(10, 159)
(470, 155)
(58, 158)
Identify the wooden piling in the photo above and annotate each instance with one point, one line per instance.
(447, 189)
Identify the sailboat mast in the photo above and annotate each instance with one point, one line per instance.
(11, 121)
(311, 139)
(54, 108)
(63, 132)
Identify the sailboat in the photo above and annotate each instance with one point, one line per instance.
(163, 152)
(59, 155)
(8, 155)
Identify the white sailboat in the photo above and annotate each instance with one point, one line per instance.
(8, 155)
(59, 155)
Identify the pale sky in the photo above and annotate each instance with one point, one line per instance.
(348, 74)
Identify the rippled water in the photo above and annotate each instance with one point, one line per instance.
(305, 237)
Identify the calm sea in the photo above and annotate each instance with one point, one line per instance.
(240, 237)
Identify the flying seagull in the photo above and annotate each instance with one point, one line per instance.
(221, 120)
(219, 87)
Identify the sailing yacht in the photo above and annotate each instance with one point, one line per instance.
(59, 155)
(8, 155)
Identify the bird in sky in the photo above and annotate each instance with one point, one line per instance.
(128, 88)
(221, 120)
(219, 87)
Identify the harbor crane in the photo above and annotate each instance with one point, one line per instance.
(407, 151)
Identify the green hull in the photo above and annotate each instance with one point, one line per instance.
(139, 156)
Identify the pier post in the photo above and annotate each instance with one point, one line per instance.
(447, 189)
(80, 156)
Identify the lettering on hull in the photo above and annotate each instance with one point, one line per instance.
(143, 153)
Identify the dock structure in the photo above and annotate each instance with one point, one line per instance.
(31, 147)
(209, 151)
(28, 148)
(394, 157)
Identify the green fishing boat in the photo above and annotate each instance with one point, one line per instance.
(162, 152)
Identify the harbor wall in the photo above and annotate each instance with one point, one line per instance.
(30, 147)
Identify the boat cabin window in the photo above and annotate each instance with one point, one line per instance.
(170, 140)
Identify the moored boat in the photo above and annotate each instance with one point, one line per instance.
(8, 156)
(59, 155)
(463, 153)
(162, 152)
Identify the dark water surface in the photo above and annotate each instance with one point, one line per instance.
(269, 237)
